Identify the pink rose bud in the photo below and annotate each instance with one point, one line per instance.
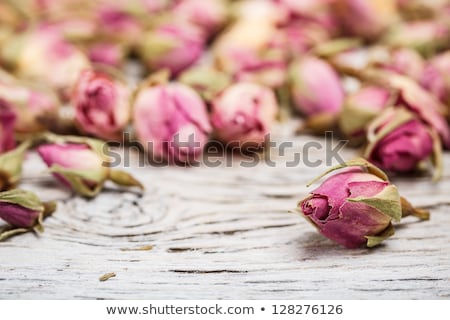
(435, 77)
(405, 61)
(102, 104)
(117, 23)
(424, 36)
(32, 105)
(7, 121)
(360, 108)
(23, 209)
(355, 207)
(243, 114)
(171, 122)
(107, 53)
(43, 55)
(398, 142)
(174, 47)
(208, 15)
(366, 18)
(11, 166)
(82, 164)
(316, 87)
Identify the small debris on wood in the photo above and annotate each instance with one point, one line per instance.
(143, 248)
(107, 276)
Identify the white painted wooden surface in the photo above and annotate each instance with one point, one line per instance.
(221, 233)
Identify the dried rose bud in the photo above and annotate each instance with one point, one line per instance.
(315, 87)
(398, 141)
(31, 104)
(207, 81)
(117, 23)
(355, 207)
(23, 209)
(11, 166)
(243, 114)
(171, 122)
(424, 36)
(102, 104)
(81, 164)
(366, 18)
(172, 46)
(43, 55)
(435, 77)
(360, 108)
(7, 121)
(208, 15)
(107, 53)
(404, 61)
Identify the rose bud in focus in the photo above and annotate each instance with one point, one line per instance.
(32, 105)
(44, 56)
(7, 121)
(315, 87)
(360, 108)
(171, 122)
(11, 166)
(399, 142)
(23, 209)
(243, 114)
(355, 207)
(435, 77)
(172, 46)
(82, 164)
(366, 18)
(107, 53)
(102, 104)
(208, 15)
(424, 36)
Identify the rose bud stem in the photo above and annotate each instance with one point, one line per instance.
(409, 210)
(122, 178)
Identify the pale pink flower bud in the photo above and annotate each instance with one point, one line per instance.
(107, 53)
(171, 122)
(102, 104)
(315, 87)
(7, 121)
(435, 77)
(243, 114)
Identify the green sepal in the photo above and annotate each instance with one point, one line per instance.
(11, 166)
(373, 241)
(123, 178)
(23, 198)
(358, 162)
(387, 202)
(333, 47)
(5, 234)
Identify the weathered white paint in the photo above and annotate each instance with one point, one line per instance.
(221, 233)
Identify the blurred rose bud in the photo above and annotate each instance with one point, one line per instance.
(355, 207)
(243, 114)
(7, 122)
(42, 55)
(107, 53)
(435, 77)
(399, 142)
(11, 166)
(421, 9)
(262, 11)
(32, 105)
(360, 108)
(23, 209)
(424, 36)
(366, 18)
(71, 27)
(171, 122)
(171, 46)
(82, 164)
(304, 7)
(315, 87)
(207, 81)
(208, 15)
(117, 23)
(102, 104)
(404, 61)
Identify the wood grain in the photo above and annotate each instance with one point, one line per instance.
(221, 233)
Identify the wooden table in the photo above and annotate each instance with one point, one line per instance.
(221, 233)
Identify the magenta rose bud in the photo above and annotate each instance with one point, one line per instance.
(171, 122)
(435, 77)
(172, 46)
(23, 209)
(7, 121)
(316, 87)
(398, 142)
(102, 104)
(243, 114)
(107, 53)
